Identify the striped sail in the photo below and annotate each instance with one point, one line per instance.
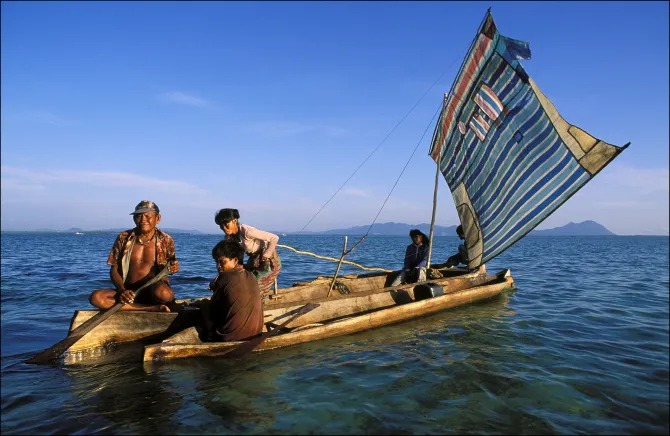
(509, 158)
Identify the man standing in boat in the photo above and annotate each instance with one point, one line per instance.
(140, 258)
(416, 259)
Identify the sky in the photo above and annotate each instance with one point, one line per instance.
(270, 107)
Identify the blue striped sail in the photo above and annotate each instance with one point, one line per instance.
(508, 156)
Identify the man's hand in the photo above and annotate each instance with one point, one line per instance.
(126, 296)
(173, 266)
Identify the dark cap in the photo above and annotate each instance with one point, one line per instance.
(145, 206)
(225, 215)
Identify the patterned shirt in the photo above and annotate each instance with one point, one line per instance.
(164, 247)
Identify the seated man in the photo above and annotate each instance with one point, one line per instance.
(462, 256)
(137, 257)
(235, 312)
(416, 258)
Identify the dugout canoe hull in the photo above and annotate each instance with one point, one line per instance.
(140, 326)
(332, 318)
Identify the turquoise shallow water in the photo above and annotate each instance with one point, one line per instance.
(581, 346)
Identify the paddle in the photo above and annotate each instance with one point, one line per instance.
(250, 345)
(54, 352)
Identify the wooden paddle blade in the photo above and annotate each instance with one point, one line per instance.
(247, 346)
(54, 352)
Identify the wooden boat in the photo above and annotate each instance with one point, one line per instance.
(336, 317)
(510, 160)
(140, 326)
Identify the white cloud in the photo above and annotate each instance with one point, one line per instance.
(355, 192)
(184, 98)
(33, 180)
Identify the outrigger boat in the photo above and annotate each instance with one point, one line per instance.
(337, 317)
(146, 327)
(510, 160)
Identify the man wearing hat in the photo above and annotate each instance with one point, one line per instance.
(140, 258)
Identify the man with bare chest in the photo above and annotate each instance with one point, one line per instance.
(137, 258)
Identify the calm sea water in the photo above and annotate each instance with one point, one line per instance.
(581, 346)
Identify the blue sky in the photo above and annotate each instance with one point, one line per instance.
(269, 107)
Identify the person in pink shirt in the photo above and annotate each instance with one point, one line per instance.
(260, 246)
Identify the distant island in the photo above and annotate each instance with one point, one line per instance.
(585, 228)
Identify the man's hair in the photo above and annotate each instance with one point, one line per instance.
(229, 248)
(459, 231)
(222, 216)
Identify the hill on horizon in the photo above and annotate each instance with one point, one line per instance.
(585, 228)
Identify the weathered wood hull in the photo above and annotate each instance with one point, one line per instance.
(354, 283)
(132, 326)
(333, 322)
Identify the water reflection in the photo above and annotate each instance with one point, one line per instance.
(125, 397)
(234, 393)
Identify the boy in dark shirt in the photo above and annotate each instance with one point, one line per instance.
(236, 310)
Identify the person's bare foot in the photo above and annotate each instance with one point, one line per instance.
(158, 308)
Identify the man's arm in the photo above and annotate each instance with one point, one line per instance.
(172, 262)
(117, 280)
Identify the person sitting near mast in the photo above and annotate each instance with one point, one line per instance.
(416, 259)
(462, 256)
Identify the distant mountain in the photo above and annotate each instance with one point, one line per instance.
(390, 229)
(585, 228)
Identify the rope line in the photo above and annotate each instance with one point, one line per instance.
(399, 176)
(374, 151)
(333, 259)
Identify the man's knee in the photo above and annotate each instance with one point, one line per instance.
(163, 293)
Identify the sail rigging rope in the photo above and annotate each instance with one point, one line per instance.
(394, 185)
(376, 217)
(374, 151)
(333, 259)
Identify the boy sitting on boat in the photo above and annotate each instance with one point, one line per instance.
(235, 312)
(416, 257)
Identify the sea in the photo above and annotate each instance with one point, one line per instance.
(580, 346)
